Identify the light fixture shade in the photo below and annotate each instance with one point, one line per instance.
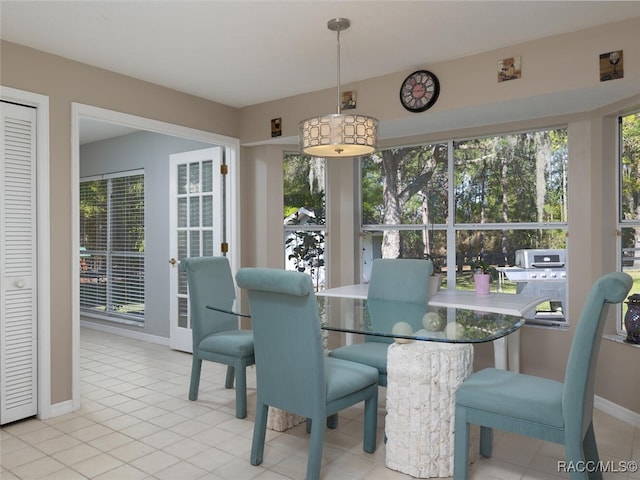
(338, 135)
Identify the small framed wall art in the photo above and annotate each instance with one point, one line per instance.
(276, 127)
(611, 66)
(509, 69)
(348, 100)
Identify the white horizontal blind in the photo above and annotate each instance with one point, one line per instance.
(112, 247)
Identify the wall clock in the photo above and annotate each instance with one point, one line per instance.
(419, 91)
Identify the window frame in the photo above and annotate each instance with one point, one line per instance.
(622, 223)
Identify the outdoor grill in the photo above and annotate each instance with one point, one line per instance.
(541, 272)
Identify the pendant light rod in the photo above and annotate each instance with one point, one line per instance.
(337, 25)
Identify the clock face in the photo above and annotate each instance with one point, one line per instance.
(419, 91)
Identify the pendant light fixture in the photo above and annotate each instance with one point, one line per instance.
(338, 135)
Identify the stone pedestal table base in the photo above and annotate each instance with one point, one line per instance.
(422, 379)
(279, 420)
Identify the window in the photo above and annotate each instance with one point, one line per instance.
(112, 247)
(405, 204)
(304, 216)
(461, 200)
(629, 201)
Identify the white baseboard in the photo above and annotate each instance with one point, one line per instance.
(616, 411)
(123, 332)
(57, 409)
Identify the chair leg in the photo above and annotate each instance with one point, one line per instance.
(259, 434)
(228, 382)
(316, 443)
(371, 423)
(461, 446)
(241, 390)
(575, 453)
(591, 453)
(577, 458)
(486, 441)
(332, 421)
(196, 367)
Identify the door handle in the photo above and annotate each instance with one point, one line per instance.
(173, 262)
(19, 283)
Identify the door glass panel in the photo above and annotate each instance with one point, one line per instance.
(194, 177)
(183, 313)
(207, 211)
(194, 244)
(182, 179)
(182, 212)
(182, 244)
(207, 243)
(207, 176)
(194, 212)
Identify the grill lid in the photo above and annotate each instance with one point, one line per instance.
(539, 258)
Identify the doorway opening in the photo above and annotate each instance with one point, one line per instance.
(112, 137)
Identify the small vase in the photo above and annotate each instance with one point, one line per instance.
(632, 322)
(482, 281)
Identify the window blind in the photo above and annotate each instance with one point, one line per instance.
(112, 247)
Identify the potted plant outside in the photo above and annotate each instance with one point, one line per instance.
(483, 273)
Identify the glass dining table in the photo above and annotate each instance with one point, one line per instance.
(430, 354)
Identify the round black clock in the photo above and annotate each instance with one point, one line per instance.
(419, 91)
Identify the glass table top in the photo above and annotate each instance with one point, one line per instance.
(408, 321)
(401, 320)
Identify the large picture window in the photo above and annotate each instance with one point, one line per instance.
(459, 201)
(112, 247)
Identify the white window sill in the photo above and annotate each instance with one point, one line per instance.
(620, 339)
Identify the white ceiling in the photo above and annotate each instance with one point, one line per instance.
(242, 52)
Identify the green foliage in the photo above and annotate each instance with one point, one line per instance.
(630, 168)
(304, 185)
(514, 178)
(308, 250)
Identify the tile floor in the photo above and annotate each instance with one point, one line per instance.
(136, 422)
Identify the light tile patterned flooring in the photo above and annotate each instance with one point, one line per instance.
(136, 422)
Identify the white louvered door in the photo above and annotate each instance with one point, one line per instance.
(18, 295)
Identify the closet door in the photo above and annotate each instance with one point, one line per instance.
(18, 296)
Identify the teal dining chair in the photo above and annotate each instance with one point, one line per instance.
(401, 280)
(216, 335)
(292, 371)
(539, 407)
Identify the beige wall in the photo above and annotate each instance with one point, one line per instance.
(471, 103)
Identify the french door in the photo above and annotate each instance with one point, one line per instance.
(198, 222)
